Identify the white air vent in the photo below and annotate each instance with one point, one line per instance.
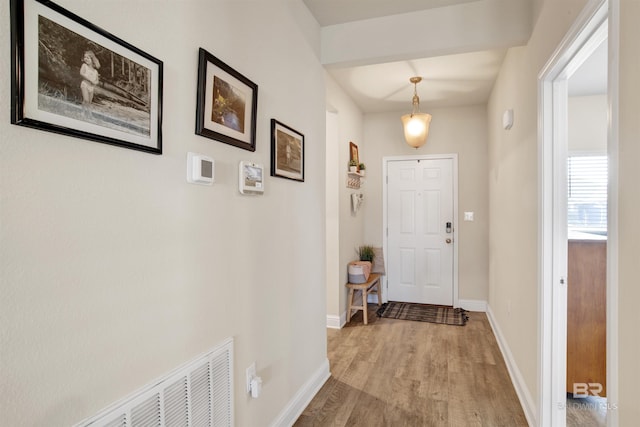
(197, 394)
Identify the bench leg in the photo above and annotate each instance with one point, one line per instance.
(350, 304)
(379, 289)
(364, 305)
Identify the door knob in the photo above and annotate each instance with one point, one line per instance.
(448, 240)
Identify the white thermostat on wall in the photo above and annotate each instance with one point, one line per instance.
(251, 178)
(200, 169)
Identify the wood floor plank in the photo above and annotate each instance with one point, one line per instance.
(404, 373)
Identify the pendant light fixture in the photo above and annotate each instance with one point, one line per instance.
(416, 124)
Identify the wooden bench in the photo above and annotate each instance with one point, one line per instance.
(364, 288)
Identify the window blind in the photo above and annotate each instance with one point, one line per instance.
(587, 204)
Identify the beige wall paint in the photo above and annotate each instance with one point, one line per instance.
(114, 270)
(462, 131)
(629, 210)
(513, 205)
(350, 129)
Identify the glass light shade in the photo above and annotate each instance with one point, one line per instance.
(416, 128)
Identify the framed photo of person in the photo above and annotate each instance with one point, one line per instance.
(227, 103)
(73, 78)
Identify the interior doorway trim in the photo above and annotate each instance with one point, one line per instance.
(385, 162)
(591, 27)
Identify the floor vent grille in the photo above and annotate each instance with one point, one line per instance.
(198, 394)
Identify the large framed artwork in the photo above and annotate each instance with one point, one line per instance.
(287, 152)
(73, 78)
(227, 103)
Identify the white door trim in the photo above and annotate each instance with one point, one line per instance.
(589, 28)
(454, 158)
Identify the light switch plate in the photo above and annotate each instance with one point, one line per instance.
(468, 216)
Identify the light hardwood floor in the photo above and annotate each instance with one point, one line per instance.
(405, 373)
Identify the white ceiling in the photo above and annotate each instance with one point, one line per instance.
(448, 80)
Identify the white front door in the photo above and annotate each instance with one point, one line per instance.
(420, 225)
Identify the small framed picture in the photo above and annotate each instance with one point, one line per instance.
(353, 156)
(287, 152)
(227, 103)
(73, 78)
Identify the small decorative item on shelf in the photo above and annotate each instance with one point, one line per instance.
(353, 166)
(362, 169)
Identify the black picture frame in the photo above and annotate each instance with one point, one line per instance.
(287, 152)
(227, 103)
(73, 78)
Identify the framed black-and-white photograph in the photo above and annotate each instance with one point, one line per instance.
(227, 103)
(287, 152)
(73, 78)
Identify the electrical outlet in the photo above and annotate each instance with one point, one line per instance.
(251, 373)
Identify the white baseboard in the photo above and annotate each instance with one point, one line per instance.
(335, 322)
(307, 392)
(473, 305)
(522, 390)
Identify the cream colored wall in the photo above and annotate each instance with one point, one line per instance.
(629, 210)
(333, 278)
(587, 117)
(513, 188)
(513, 204)
(462, 131)
(114, 270)
(351, 226)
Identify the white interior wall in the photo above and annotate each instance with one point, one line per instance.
(333, 220)
(350, 129)
(114, 270)
(463, 131)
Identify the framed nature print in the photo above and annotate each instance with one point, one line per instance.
(73, 78)
(227, 103)
(287, 152)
